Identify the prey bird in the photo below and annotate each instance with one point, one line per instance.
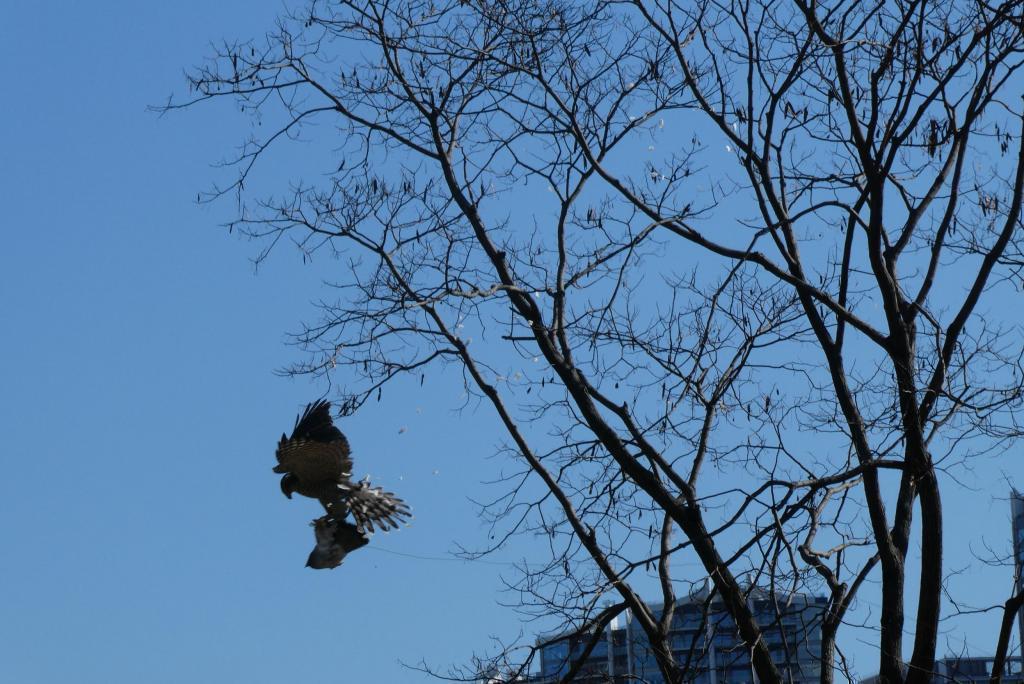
(316, 461)
(334, 540)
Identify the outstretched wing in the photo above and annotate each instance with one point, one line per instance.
(317, 450)
(373, 507)
(315, 423)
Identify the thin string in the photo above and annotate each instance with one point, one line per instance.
(444, 558)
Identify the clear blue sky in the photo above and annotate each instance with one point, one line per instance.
(145, 538)
(144, 535)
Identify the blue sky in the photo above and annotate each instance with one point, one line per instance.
(145, 537)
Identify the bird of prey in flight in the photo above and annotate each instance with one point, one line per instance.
(316, 462)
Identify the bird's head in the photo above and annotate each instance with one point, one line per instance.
(320, 560)
(289, 483)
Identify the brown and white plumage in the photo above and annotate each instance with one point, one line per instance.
(372, 506)
(316, 462)
(317, 451)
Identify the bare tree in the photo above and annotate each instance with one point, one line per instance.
(718, 267)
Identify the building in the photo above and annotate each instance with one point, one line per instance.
(1017, 521)
(979, 668)
(965, 669)
(608, 657)
(703, 639)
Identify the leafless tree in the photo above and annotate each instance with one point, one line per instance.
(725, 270)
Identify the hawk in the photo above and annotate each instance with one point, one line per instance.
(316, 461)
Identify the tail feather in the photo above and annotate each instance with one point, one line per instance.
(375, 509)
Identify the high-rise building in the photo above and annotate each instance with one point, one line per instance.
(968, 670)
(1017, 520)
(979, 668)
(607, 656)
(703, 639)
